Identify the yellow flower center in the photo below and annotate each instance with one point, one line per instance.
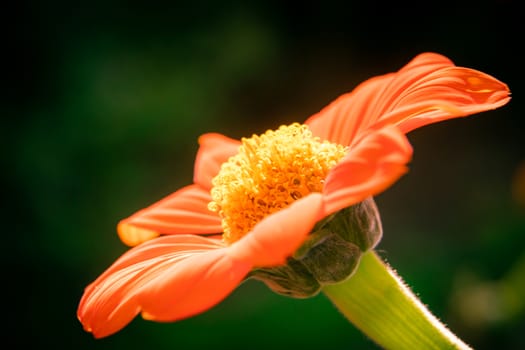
(269, 173)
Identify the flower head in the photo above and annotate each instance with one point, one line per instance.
(269, 173)
(254, 202)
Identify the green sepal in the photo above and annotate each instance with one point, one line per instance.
(359, 224)
(332, 260)
(292, 279)
(330, 254)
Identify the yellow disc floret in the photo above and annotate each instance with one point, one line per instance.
(269, 173)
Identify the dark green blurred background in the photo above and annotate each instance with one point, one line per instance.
(105, 101)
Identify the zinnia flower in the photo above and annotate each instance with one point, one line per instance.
(253, 202)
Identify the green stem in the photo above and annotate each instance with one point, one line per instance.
(376, 301)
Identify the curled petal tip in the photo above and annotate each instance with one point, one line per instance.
(182, 212)
(482, 88)
(133, 235)
(429, 89)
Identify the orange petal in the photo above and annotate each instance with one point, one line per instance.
(280, 234)
(197, 284)
(133, 235)
(167, 279)
(184, 211)
(214, 150)
(369, 167)
(427, 90)
(448, 93)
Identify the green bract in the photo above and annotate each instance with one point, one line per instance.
(330, 255)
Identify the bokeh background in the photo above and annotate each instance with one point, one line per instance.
(105, 101)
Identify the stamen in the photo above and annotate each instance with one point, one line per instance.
(269, 173)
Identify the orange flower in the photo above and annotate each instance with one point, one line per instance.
(266, 193)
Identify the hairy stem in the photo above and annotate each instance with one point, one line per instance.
(376, 301)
